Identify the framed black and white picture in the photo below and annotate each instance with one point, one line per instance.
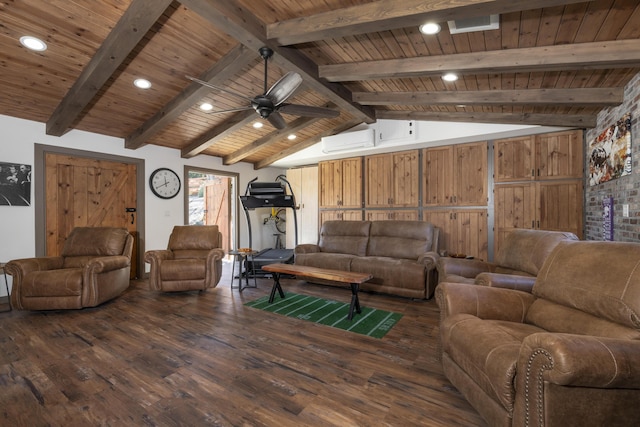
(15, 184)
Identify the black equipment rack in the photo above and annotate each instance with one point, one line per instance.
(269, 195)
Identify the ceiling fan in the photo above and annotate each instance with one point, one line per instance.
(271, 103)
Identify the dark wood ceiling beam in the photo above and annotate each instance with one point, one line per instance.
(568, 120)
(582, 96)
(227, 128)
(581, 56)
(125, 36)
(305, 144)
(267, 140)
(390, 14)
(226, 68)
(242, 25)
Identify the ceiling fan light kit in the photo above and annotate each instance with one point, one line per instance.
(271, 103)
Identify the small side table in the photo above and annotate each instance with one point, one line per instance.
(6, 285)
(242, 257)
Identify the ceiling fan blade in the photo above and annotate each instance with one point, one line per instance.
(230, 110)
(277, 120)
(308, 111)
(284, 88)
(221, 89)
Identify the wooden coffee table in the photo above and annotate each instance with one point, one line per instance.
(351, 278)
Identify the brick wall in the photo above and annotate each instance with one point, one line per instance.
(624, 190)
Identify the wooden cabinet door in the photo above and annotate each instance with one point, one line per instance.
(405, 179)
(398, 215)
(513, 159)
(351, 188)
(442, 218)
(514, 207)
(437, 176)
(559, 155)
(340, 215)
(392, 179)
(470, 235)
(304, 183)
(330, 183)
(462, 231)
(560, 206)
(379, 185)
(470, 174)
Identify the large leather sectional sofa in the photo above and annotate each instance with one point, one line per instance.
(399, 254)
(566, 354)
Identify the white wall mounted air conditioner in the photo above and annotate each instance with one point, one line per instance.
(348, 141)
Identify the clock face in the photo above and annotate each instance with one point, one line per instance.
(164, 183)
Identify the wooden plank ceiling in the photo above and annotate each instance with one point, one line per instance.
(551, 62)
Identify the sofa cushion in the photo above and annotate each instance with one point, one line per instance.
(95, 241)
(53, 283)
(185, 237)
(344, 237)
(487, 350)
(184, 269)
(394, 272)
(593, 277)
(400, 239)
(325, 260)
(526, 250)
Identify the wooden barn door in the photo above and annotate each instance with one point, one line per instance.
(84, 192)
(217, 208)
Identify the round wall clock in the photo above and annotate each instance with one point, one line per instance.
(164, 183)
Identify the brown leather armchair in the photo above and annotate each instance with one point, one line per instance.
(93, 267)
(192, 260)
(516, 264)
(566, 354)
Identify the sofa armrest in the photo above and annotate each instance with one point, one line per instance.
(306, 248)
(430, 259)
(482, 301)
(18, 268)
(469, 268)
(508, 281)
(215, 254)
(157, 256)
(579, 361)
(104, 264)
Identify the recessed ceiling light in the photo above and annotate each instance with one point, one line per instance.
(430, 28)
(206, 106)
(33, 43)
(450, 77)
(142, 83)
(257, 125)
(291, 137)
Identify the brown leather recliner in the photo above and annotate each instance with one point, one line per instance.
(516, 265)
(567, 354)
(93, 267)
(192, 260)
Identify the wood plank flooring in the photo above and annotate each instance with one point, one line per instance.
(190, 359)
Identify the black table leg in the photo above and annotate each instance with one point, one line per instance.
(355, 302)
(276, 285)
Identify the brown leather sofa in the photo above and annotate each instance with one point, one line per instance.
(516, 264)
(192, 260)
(93, 267)
(567, 354)
(396, 253)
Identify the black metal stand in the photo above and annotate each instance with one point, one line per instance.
(276, 286)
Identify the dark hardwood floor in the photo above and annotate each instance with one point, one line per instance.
(190, 359)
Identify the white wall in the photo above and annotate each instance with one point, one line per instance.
(17, 223)
(428, 134)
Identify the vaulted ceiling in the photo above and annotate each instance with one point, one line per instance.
(550, 62)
